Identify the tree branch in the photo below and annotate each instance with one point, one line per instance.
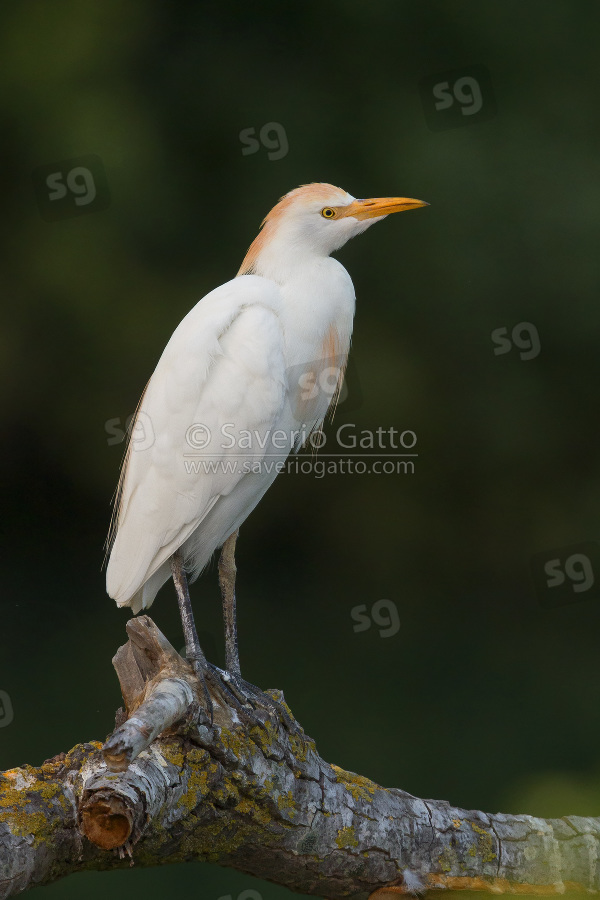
(169, 787)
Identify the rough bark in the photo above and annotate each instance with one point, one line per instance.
(169, 787)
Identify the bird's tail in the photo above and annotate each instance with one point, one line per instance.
(144, 597)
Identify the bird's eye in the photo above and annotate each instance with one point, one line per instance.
(328, 213)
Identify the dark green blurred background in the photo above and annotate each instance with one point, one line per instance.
(484, 697)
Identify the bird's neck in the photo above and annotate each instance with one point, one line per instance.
(317, 293)
(280, 254)
(316, 314)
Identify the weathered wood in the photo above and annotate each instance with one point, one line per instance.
(158, 687)
(146, 656)
(261, 800)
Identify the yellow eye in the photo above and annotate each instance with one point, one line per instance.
(328, 213)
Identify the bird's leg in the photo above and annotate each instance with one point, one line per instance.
(227, 573)
(193, 650)
(242, 695)
(245, 692)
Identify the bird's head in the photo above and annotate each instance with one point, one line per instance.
(315, 220)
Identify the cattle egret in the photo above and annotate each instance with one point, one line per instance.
(228, 400)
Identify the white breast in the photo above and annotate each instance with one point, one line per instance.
(254, 356)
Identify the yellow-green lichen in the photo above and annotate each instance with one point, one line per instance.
(173, 753)
(301, 746)
(235, 740)
(197, 784)
(360, 787)
(248, 807)
(17, 805)
(269, 782)
(485, 844)
(285, 802)
(264, 736)
(448, 859)
(220, 838)
(278, 697)
(346, 837)
(49, 790)
(30, 797)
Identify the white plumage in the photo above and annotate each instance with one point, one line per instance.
(237, 365)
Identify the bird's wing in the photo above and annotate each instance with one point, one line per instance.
(222, 372)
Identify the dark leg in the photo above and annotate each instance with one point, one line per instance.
(246, 693)
(228, 685)
(204, 670)
(227, 573)
(193, 650)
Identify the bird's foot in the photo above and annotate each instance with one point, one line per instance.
(215, 680)
(201, 668)
(272, 702)
(252, 705)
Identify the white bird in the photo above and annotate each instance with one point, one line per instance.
(228, 401)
